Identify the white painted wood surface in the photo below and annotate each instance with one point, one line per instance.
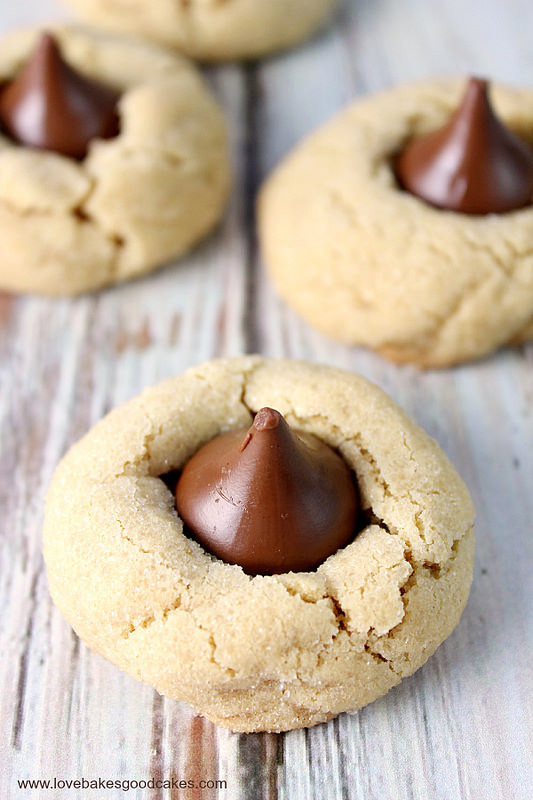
(460, 729)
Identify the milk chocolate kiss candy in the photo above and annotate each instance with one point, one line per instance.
(269, 499)
(474, 164)
(50, 106)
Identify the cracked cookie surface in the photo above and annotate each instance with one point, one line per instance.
(370, 264)
(137, 200)
(265, 652)
(212, 30)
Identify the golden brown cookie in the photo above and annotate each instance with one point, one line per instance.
(136, 200)
(370, 264)
(212, 30)
(267, 652)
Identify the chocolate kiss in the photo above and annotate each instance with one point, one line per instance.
(268, 499)
(50, 106)
(474, 164)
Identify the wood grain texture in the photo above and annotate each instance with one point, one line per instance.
(460, 729)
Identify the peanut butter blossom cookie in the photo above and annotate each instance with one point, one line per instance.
(272, 542)
(212, 30)
(406, 223)
(113, 160)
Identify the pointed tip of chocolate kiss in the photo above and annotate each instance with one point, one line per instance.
(72, 109)
(46, 47)
(478, 86)
(473, 164)
(267, 498)
(267, 419)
